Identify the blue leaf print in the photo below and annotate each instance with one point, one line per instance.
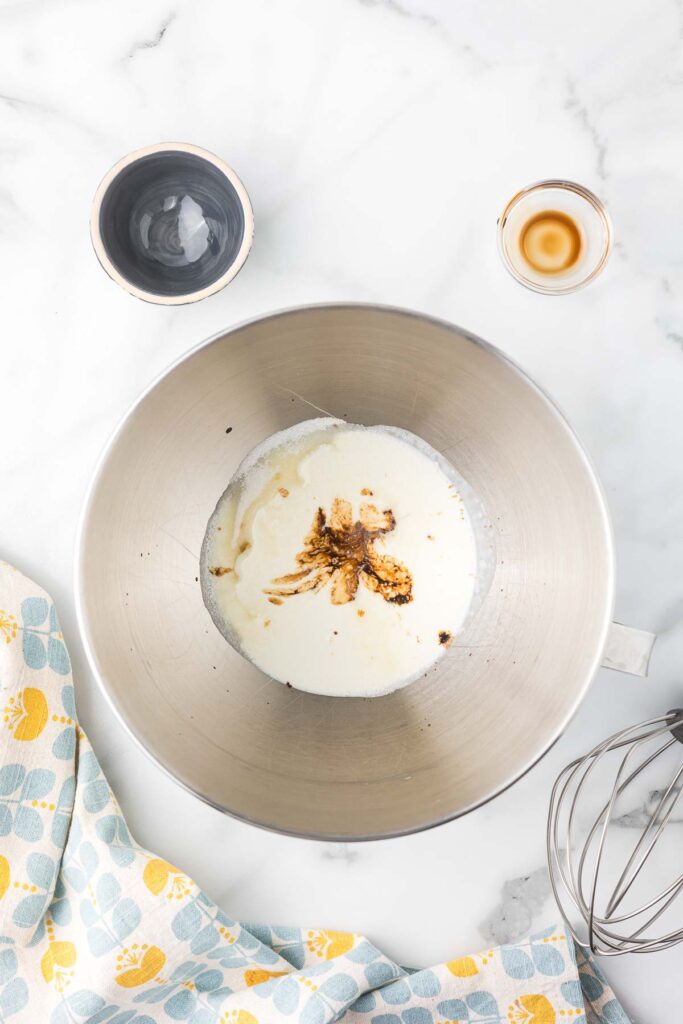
(205, 940)
(425, 983)
(68, 700)
(284, 934)
(315, 970)
(89, 767)
(184, 971)
(263, 955)
(100, 942)
(207, 981)
(228, 959)
(8, 965)
(592, 986)
(218, 996)
(286, 995)
(77, 876)
(181, 1005)
(571, 991)
(612, 1013)
(313, 1012)
(365, 1003)
(203, 1017)
(13, 998)
(386, 1018)
(5, 820)
(96, 796)
(397, 993)
(89, 858)
(29, 911)
(187, 922)
(126, 918)
(83, 1003)
(64, 746)
(246, 940)
(363, 953)
(417, 1015)
(454, 1009)
(112, 831)
(57, 657)
(108, 892)
(516, 963)
(548, 959)
(62, 816)
(340, 987)
(38, 935)
(154, 995)
(34, 611)
(482, 1003)
(60, 911)
(41, 870)
(54, 621)
(105, 828)
(379, 974)
(11, 777)
(35, 654)
(38, 784)
(27, 824)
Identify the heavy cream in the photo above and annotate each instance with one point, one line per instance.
(341, 559)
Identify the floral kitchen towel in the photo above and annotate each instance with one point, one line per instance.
(95, 929)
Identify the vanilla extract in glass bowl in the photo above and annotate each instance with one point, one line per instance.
(554, 237)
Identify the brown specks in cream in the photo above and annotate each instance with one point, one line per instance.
(220, 570)
(283, 492)
(342, 552)
(445, 638)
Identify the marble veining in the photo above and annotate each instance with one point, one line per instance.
(640, 816)
(379, 140)
(521, 902)
(155, 40)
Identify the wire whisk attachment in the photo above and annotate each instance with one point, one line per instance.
(584, 846)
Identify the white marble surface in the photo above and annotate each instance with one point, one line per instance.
(378, 140)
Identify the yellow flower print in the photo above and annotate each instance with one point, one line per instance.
(532, 1009)
(4, 875)
(328, 945)
(238, 1017)
(465, 967)
(26, 714)
(59, 957)
(8, 626)
(138, 965)
(157, 875)
(257, 977)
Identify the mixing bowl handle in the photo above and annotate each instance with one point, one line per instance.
(628, 649)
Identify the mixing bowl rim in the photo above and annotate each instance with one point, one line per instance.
(100, 465)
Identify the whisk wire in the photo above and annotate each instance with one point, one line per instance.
(576, 881)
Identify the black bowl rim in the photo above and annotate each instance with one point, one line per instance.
(113, 271)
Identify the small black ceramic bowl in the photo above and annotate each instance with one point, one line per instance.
(171, 223)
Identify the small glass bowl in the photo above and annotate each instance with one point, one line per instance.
(576, 202)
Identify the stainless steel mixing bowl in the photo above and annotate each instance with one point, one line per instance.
(328, 767)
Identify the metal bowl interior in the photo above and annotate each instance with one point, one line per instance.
(326, 767)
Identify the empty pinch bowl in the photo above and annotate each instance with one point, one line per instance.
(171, 223)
